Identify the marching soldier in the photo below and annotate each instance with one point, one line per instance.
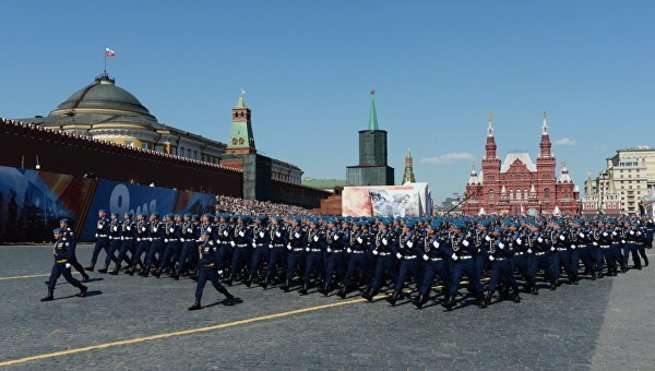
(242, 245)
(142, 244)
(384, 250)
(156, 249)
(261, 250)
(102, 238)
(115, 242)
(128, 236)
(296, 245)
(190, 238)
(409, 249)
(314, 255)
(69, 236)
(463, 264)
(62, 252)
(278, 249)
(334, 256)
(207, 271)
(435, 262)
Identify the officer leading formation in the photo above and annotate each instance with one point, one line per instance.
(423, 258)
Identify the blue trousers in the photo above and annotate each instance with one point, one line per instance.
(259, 256)
(188, 256)
(294, 261)
(313, 264)
(171, 252)
(59, 269)
(101, 244)
(466, 268)
(113, 247)
(631, 248)
(276, 258)
(240, 258)
(156, 248)
(126, 246)
(502, 271)
(407, 268)
(208, 274)
(334, 268)
(384, 266)
(432, 269)
(357, 262)
(527, 266)
(141, 249)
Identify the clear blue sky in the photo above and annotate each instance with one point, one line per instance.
(438, 67)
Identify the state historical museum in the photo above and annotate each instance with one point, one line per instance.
(518, 186)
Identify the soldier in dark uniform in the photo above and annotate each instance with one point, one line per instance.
(502, 268)
(207, 271)
(409, 249)
(334, 253)
(463, 264)
(642, 243)
(190, 238)
(69, 236)
(172, 236)
(128, 237)
(524, 258)
(260, 244)
(156, 248)
(357, 251)
(115, 242)
(62, 254)
(142, 243)
(222, 233)
(315, 248)
(384, 249)
(435, 262)
(297, 241)
(278, 249)
(242, 245)
(633, 237)
(102, 238)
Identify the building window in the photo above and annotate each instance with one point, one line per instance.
(546, 193)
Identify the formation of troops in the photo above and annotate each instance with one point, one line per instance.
(445, 259)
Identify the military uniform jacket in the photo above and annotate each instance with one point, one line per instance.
(62, 251)
(261, 237)
(278, 236)
(142, 230)
(128, 231)
(315, 241)
(383, 245)
(208, 254)
(157, 230)
(242, 236)
(115, 230)
(297, 239)
(334, 241)
(463, 247)
(102, 228)
(408, 247)
(172, 232)
(223, 233)
(359, 242)
(435, 248)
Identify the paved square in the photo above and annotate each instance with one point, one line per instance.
(130, 323)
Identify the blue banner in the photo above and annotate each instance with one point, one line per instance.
(120, 198)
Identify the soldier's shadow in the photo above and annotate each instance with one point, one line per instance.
(94, 279)
(88, 294)
(225, 302)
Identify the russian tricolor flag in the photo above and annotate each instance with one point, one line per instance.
(109, 53)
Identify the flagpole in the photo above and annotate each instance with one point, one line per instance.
(105, 62)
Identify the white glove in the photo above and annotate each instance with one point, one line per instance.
(375, 252)
(254, 244)
(315, 238)
(181, 239)
(359, 240)
(278, 234)
(224, 232)
(425, 257)
(465, 243)
(138, 239)
(614, 233)
(622, 241)
(491, 258)
(261, 234)
(270, 245)
(241, 234)
(289, 246)
(232, 243)
(519, 241)
(189, 230)
(540, 240)
(329, 249)
(68, 266)
(129, 228)
(632, 233)
(552, 248)
(165, 239)
(487, 238)
(307, 249)
(384, 241)
(595, 243)
(562, 238)
(572, 247)
(171, 230)
(604, 234)
(398, 255)
(96, 235)
(220, 272)
(349, 250)
(454, 256)
(529, 251)
(581, 235)
(296, 235)
(501, 245)
(435, 244)
(336, 237)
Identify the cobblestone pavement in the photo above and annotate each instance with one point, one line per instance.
(605, 324)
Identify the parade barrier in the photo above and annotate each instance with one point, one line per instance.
(32, 202)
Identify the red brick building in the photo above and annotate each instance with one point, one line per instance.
(517, 185)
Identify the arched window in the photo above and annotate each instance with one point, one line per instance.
(491, 195)
(546, 193)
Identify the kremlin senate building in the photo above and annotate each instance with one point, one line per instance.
(517, 185)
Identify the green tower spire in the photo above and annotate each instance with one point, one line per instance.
(373, 115)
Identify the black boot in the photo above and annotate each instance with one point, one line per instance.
(421, 300)
(196, 306)
(482, 301)
(553, 286)
(343, 292)
(393, 299)
(266, 283)
(304, 289)
(115, 271)
(103, 270)
(449, 303)
(249, 281)
(593, 276)
(85, 277)
(534, 290)
(90, 268)
(286, 286)
(83, 291)
(487, 298)
(50, 296)
(516, 296)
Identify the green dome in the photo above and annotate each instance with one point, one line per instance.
(103, 94)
